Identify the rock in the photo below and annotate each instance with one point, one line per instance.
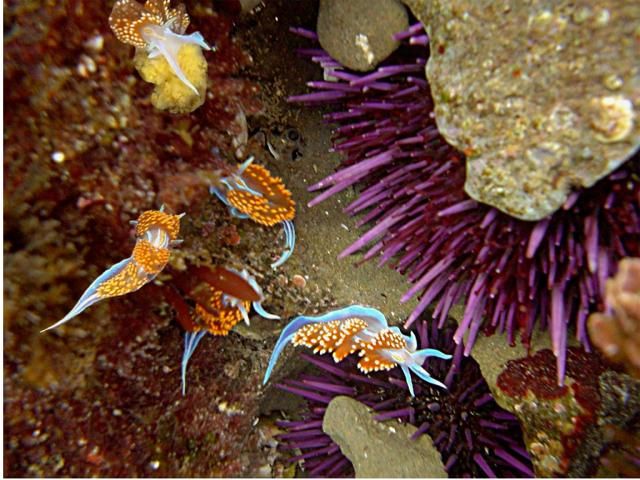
(170, 92)
(540, 97)
(378, 449)
(563, 426)
(359, 33)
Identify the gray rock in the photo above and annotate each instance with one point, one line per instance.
(378, 449)
(542, 97)
(359, 33)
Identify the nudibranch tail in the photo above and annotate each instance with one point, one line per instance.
(372, 318)
(290, 243)
(191, 340)
(91, 295)
(257, 306)
(286, 336)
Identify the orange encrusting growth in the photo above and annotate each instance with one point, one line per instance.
(156, 218)
(225, 318)
(372, 360)
(275, 206)
(128, 18)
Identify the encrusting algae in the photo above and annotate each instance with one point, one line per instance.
(165, 56)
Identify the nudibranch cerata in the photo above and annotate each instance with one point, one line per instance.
(357, 328)
(231, 294)
(252, 192)
(156, 28)
(156, 231)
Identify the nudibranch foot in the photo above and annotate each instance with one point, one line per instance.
(252, 192)
(290, 243)
(191, 340)
(155, 232)
(374, 320)
(91, 295)
(356, 328)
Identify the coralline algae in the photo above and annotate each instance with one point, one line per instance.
(539, 97)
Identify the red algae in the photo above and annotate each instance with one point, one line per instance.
(563, 423)
(537, 373)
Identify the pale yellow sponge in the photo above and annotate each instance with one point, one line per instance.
(171, 93)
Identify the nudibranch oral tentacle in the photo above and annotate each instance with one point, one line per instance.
(252, 192)
(231, 295)
(156, 28)
(363, 329)
(156, 231)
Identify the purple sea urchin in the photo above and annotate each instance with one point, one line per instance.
(473, 434)
(512, 274)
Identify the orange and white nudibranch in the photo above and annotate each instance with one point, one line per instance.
(157, 28)
(364, 329)
(230, 295)
(252, 192)
(156, 231)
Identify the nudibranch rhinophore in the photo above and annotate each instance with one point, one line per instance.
(230, 294)
(252, 192)
(156, 28)
(156, 231)
(357, 328)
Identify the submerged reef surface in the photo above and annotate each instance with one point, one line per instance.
(85, 152)
(512, 275)
(541, 97)
(473, 434)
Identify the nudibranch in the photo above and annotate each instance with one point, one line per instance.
(364, 329)
(228, 298)
(156, 28)
(156, 231)
(252, 192)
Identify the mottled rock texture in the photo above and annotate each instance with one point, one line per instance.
(563, 426)
(377, 449)
(359, 33)
(541, 97)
